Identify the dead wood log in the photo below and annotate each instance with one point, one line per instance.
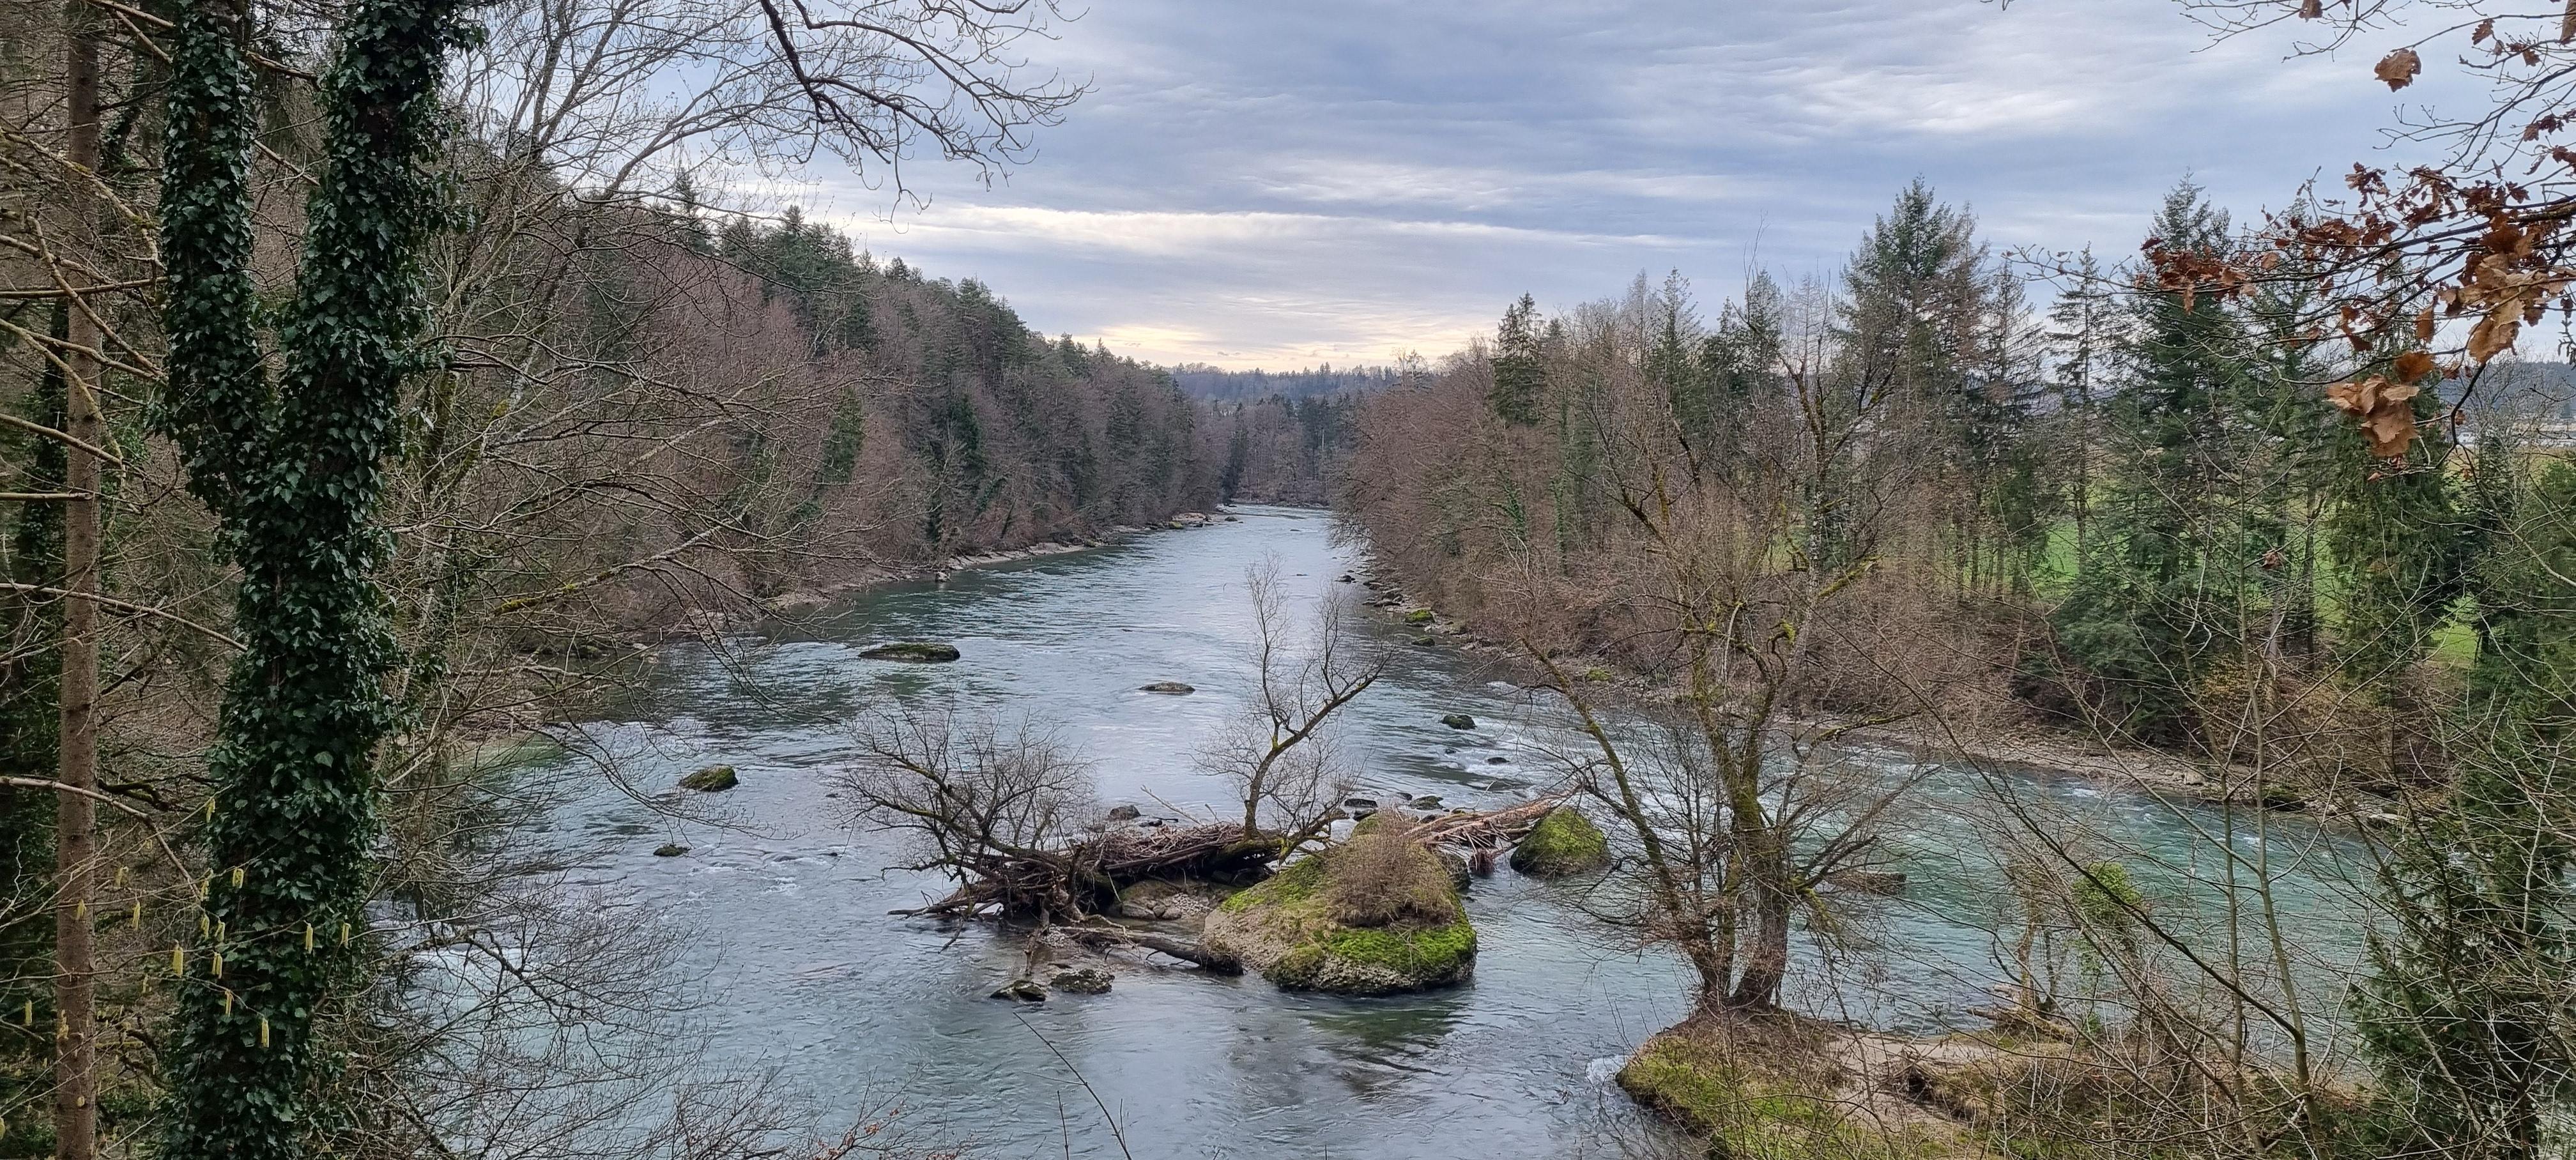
(1188, 952)
(1485, 830)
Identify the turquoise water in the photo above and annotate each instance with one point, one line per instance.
(782, 902)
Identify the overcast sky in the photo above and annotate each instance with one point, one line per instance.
(1283, 183)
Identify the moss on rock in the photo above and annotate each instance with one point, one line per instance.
(1564, 842)
(1731, 1090)
(1297, 927)
(712, 779)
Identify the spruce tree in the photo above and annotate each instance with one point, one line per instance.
(2158, 598)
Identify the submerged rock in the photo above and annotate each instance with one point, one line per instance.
(915, 651)
(1376, 915)
(1564, 842)
(712, 779)
(1082, 981)
(1867, 881)
(1174, 688)
(1023, 991)
(670, 850)
(1458, 721)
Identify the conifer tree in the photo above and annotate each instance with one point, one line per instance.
(1519, 376)
(2155, 603)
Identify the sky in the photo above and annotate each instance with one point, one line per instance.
(1281, 183)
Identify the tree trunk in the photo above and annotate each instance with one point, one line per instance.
(75, 814)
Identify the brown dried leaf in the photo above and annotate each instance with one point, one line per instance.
(2424, 325)
(2412, 366)
(2312, 9)
(2389, 432)
(2399, 68)
(2567, 24)
(2494, 333)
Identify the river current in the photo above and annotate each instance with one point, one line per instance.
(781, 902)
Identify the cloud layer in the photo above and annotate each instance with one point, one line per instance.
(1339, 180)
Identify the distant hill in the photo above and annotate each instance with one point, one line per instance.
(1207, 382)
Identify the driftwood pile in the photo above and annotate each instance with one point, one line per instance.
(1085, 878)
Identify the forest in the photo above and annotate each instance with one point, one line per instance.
(525, 640)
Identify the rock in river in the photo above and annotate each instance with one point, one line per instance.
(1867, 881)
(1174, 688)
(670, 850)
(1459, 721)
(712, 779)
(1023, 991)
(916, 651)
(1376, 915)
(1564, 842)
(1082, 981)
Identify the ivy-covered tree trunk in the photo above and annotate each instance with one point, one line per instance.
(294, 474)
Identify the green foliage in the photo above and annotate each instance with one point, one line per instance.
(2162, 588)
(2464, 1013)
(294, 474)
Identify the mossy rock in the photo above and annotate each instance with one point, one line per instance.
(1287, 928)
(1418, 616)
(670, 850)
(1458, 721)
(712, 779)
(1563, 843)
(915, 651)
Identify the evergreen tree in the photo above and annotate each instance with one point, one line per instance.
(1520, 378)
(2158, 595)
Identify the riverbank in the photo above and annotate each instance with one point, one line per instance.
(2021, 746)
(869, 579)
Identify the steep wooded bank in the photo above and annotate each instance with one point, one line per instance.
(426, 328)
(2207, 515)
(2118, 518)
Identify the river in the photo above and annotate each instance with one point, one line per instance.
(784, 903)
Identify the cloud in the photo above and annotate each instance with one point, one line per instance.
(1348, 179)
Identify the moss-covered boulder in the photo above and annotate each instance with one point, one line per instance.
(712, 779)
(920, 652)
(1564, 842)
(1376, 915)
(1458, 721)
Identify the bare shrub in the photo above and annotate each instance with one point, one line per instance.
(1384, 878)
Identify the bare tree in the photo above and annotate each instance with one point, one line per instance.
(1279, 750)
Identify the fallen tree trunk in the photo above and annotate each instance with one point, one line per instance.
(1487, 830)
(1188, 952)
(1085, 877)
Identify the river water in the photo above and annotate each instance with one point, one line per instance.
(783, 902)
